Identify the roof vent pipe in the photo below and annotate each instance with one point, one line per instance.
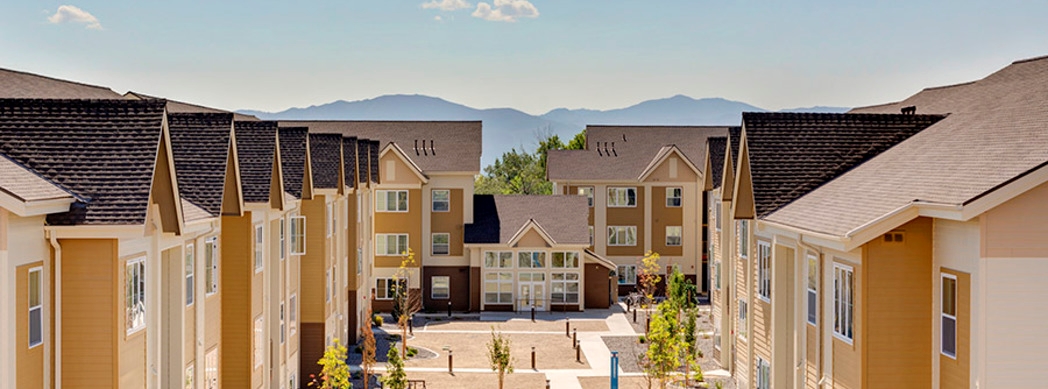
(613, 149)
(598, 150)
(606, 152)
(416, 146)
(431, 149)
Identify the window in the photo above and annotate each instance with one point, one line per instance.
(386, 288)
(568, 259)
(292, 314)
(498, 288)
(763, 374)
(190, 274)
(298, 235)
(591, 236)
(211, 265)
(813, 289)
(673, 234)
(259, 248)
(259, 342)
(36, 306)
(360, 260)
(622, 235)
(331, 220)
(283, 330)
(441, 244)
(498, 259)
(744, 239)
(327, 286)
(673, 197)
(843, 284)
(588, 192)
(764, 270)
(622, 197)
(441, 200)
(440, 287)
(717, 275)
(391, 201)
(135, 294)
(531, 259)
(743, 326)
(292, 382)
(627, 274)
(564, 288)
(949, 315)
(283, 244)
(190, 379)
(391, 244)
(717, 212)
(211, 369)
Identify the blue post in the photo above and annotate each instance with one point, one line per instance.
(614, 370)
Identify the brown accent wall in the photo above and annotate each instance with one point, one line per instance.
(29, 361)
(312, 350)
(663, 216)
(402, 223)
(626, 216)
(1016, 229)
(898, 304)
(955, 372)
(236, 271)
(597, 286)
(450, 222)
(314, 262)
(460, 285)
(847, 358)
(352, 242)
(475, 289)
(352, 316)
(91, 322)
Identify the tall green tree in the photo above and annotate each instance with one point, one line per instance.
(665, 345)
(521, 172)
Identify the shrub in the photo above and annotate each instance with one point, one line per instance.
(642, 339)
(412, 352)
(357, 350)
(376, 321)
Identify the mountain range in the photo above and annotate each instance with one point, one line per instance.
(507, 128)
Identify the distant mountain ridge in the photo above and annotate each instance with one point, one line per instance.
(506, 128)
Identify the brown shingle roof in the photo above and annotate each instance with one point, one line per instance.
(21, 85)
(256, 148)
(325, 150)
(102, 151)
(498, 217)
(200, 143)
(183, 107)
(293, 146)
(349, 160)
(25, 185)
(717, 147)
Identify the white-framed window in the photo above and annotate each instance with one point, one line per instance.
(591, 236)
(622, 197)
(565, 259)
(330, 227)
(531, 259)
(627, 274)
(292, 382)
(673, 235)
(260, 246)
(674, 196)
(764, 270)
(440, 287)
(813, 289)
(259, 342)
(283, 328)
(211, 265)
(742, 325)
(441, 243)
(298, 235)
(441, 200)
(763, 374)
(498, 288)
(360, 260)
(717, 275)
(622, 235)
(717, 212)
(36, 306)
(949, 315)
(588, 192)
(190, 270)
(498, 259)
(391, 201)
(843, 295)
(744, 238)
(211, 369)
(386, 288)
(564, 288)
(391, 244)
(135, 294)
(292, 315)
(283, 239)
(190, 379)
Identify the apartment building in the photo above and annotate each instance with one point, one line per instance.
(644, 190)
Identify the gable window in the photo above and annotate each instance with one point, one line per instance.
(293, 314)
(259, 342)
(498, 259)
(813, 289)
(673, 197)
(843, 284)
(135, 294)
(568, 259)
(564, 288)
(763, 374)
(190, 274)
(622, 235)
(441, 200)
(627, 274)
(36, 306)
(391, 201)
(744, 238)
(259, 248)
(673, 235)
(298, 235)
(531, 259)
(764, 270)
(386, 288)
(588, 192)
(441, 243)
(283, 241)
(949, 315)
(622, 197)
(440, 287)
(743, 326)
(391, 244)
(498, 288)
(211, 265)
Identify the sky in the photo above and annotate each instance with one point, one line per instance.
(533, 55)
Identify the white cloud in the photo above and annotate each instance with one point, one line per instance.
(438, 18)
(446, 5)
(506, 10)
(72, 14)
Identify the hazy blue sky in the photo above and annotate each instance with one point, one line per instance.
(271, 55)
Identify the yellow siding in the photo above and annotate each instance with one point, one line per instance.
(352, 242)
(955, 373)
(402, 223)
(625, 216)
(451, 222)
(91, 322)
(742, 289)
(236, 269)
(663, 216)
(811, 356)
(29, 361)
(311, 298)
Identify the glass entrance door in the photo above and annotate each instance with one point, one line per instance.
(532, 291)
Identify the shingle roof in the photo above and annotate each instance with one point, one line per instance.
(934, 100)
(373, 153)
(174, 106)
(200, 143)
(293, 146)
(21, 85)
(791, 154)
(623, 152)
(496, 218)
(23, 184)
(256, 148)
(450, 146)
(363, 160)
(717, 147)
(349, 160)
(325, 150)
(102, 151)
(995, 133)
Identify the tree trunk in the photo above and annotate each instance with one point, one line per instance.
(404, 340)
(502, 377)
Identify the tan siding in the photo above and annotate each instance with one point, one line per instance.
(311, 297)
(450, 222)
(847, 358)
(811, 364)
(29, 361)
(625, 216)
(1016, 229)
(89, 307)
(663, 172)
(742, 290)
(955, 373)
(762, 315)
(663, 216)
(402, 222)
(236, 269)
(401, 174)
(532, 239)
(132, 360)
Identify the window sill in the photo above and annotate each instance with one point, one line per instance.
(844, 339)
(764, 299)
(943, 353)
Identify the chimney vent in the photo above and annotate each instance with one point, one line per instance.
(909, 110)
(416, 146)
(623, 137)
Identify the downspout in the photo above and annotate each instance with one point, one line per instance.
(57, 313)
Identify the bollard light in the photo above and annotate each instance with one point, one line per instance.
(451, 364)
(567, 327)
(449, 309)
(532, 313)
(574, 335)
(532, 357)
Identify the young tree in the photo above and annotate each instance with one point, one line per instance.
(405, 303)
(664, 345)
(395, 377)
(499, 356)
(677, 290)
(334, 372)
(368, 349)
(648, 276)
